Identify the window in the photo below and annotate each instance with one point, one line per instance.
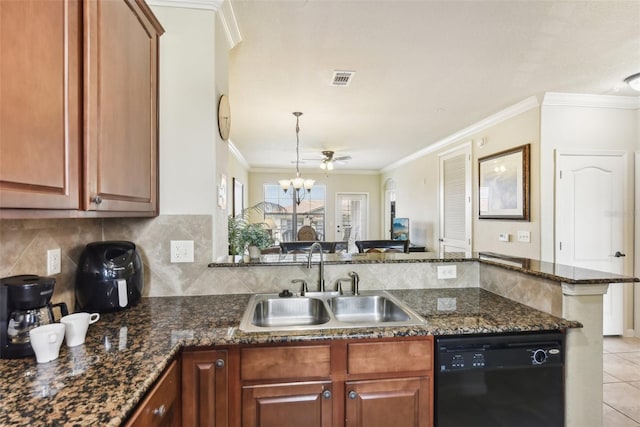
(310, 211)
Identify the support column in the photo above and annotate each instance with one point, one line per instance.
(583, 354)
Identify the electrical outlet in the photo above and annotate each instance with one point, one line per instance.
(53, 261)
(182, 251)
(504, 237)
(446, 272)
(524, 236)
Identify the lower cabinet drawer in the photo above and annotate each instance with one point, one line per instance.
(389, 357)
(268, 363)
(161, 407)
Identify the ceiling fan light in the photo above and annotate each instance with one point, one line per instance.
(633, 81)
(330, 166)
(323, 165)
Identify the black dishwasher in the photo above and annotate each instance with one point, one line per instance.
(500, 380)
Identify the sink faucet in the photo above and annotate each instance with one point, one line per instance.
(321, 265)
(355, 281)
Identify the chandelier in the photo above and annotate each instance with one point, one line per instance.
(298, 183)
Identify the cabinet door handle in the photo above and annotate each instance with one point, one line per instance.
(97, 200)
(160, 411)
(220, 363)
(326, 394)
(353, 395)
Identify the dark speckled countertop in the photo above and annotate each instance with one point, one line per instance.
(100, 382)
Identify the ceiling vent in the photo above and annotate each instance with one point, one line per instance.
(342, 78)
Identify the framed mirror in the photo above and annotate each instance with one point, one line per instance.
(503, 191)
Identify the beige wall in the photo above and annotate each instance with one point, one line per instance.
(417, 189)
(335, 182)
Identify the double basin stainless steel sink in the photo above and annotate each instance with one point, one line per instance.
(325, 310)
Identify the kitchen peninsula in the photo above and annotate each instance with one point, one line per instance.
(102, 382)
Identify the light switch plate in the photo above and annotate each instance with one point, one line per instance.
(504, 237)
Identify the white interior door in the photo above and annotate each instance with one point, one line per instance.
(455, 200)
(352, 218)
(590, 206)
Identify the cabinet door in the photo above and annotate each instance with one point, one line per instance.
(39, 104)
(161, 407)
(121, 142)
(205, 395)
(393, 402)
(307, 404)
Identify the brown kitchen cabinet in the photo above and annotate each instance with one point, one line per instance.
(402, 402)
(40, 103)
(293, 404)
(78, 108)
(205, 388)
(339, 383)
(161, 407)
(287, 386)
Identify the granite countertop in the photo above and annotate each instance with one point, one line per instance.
(547, 270)
(100, 382)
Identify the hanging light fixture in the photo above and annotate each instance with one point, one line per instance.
(298, 183)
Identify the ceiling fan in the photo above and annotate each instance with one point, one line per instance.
(329, 158)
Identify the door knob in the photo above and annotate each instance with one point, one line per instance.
(619, 254)
(353, 395)
(220, 363)
(326, 394)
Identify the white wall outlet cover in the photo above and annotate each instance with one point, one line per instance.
(447, 272)
(182, 251)
(53, 261)
(524, 236)
(504, 237)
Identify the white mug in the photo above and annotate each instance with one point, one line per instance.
(46, 341)
(76, 327)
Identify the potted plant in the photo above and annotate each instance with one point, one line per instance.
(255, 237)
(241, 221)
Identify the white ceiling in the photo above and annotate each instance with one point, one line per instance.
(424, 70)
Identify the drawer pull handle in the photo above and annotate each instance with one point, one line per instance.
(160, 411)
(353, 395)
(97, 200)
(326, 394)
(219, 363)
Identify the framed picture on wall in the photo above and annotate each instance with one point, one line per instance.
(222, 192)
(238, 197)
(503, 191)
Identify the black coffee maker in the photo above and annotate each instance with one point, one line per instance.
(24, 305)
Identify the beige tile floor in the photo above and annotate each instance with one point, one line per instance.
(621, 396)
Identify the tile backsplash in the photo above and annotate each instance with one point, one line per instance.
(24, 245)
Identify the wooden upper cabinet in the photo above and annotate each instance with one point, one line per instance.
(78, 108)
(121, 114)
(40, 123)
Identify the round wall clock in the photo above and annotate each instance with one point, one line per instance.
(224, 117)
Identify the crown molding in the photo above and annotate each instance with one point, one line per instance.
(315, 171)
(501, 116)
(213, 5)
(224, 10)
(556, 99)
(229, 24)
(237, 154)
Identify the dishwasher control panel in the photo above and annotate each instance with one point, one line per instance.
(498, 352)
